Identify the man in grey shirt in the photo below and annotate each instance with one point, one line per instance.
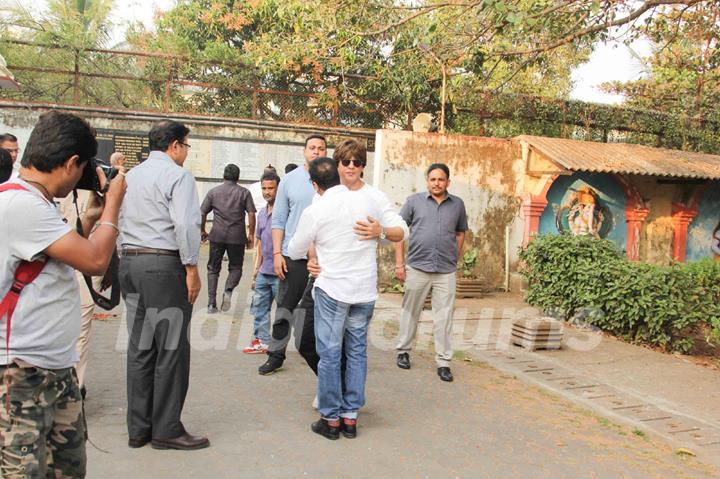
(437, 222)
(159, 249)
(229, 203)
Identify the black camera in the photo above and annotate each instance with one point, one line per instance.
(89, 179)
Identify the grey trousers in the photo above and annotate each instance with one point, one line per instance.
(158, 355)
(417, 286)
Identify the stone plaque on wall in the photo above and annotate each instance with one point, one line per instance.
(135, 146)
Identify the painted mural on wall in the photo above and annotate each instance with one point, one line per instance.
(584, 215)
(704, 230)
(586, 204)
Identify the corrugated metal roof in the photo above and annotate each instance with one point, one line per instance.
(625, 158)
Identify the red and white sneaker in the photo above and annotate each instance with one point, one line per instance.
(256, 347)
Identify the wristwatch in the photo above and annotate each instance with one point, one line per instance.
(382, 233)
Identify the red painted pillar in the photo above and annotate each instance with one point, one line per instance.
(634, 217)
(532, 209)
(682, 216)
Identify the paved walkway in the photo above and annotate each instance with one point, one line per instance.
(488, 423)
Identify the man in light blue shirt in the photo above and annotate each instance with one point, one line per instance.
(159, 249)
(294, 195)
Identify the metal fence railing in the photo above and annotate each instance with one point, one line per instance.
(149, 81)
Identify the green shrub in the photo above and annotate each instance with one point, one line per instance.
(659, 305)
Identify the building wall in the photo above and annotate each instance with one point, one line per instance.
(215, 142)
(701, 228)
(486, 173)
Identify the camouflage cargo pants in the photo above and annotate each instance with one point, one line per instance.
(43, 436)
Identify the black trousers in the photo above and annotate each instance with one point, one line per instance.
(295, 309)
(158, 355)
(236, 255)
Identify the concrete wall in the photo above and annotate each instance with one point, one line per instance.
(486, 173)
(215, 142)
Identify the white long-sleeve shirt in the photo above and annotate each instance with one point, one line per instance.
(349, 265)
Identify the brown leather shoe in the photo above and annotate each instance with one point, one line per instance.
(186, 442)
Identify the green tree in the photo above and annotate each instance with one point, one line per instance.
(683, 72)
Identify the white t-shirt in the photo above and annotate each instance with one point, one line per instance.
(46, 322)
(349, 265)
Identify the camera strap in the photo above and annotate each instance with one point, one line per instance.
(102, 301)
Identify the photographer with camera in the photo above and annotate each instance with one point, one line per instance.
(42, 427)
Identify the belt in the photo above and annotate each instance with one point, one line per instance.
(138, 251)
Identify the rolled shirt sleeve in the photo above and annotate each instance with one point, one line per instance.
(185, 215)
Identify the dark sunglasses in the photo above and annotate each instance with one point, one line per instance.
(356, 163)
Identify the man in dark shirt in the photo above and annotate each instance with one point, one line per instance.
(229, 202)
(437, 222)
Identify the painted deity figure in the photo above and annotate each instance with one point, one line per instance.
(583, 217)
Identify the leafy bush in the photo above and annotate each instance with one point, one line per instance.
(659, 305)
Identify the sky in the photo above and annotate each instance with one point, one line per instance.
(611, 61)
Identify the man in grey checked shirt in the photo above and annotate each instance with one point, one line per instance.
(159, 249)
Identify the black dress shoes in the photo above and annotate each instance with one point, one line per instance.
(138, 442)
(323, 427)
(403, 361)
(186, 442)
(445, 374)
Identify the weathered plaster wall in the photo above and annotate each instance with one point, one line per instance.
(485, 172)
(656, 240)
(701, 228)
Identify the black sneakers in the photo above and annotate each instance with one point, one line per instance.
(348, 427)
(403, 361)
(325, 429)
(272, 365)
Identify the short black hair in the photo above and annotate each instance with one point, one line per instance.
(164, 132)
(8, 137)
(439, 166)
(56, 137)
(269, 176)
(6, 165)
(269, 169)
(231, 173)
(323, 171)
(289, 167)
(315, 137)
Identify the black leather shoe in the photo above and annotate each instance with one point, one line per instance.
(272, 365)
(212, 309)
(323, 427)
(138, 442)
(403, 361)
(186, 442)
(348, 427)
(445, 374)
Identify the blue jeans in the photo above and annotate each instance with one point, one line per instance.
(266, 286)
(335, 321)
